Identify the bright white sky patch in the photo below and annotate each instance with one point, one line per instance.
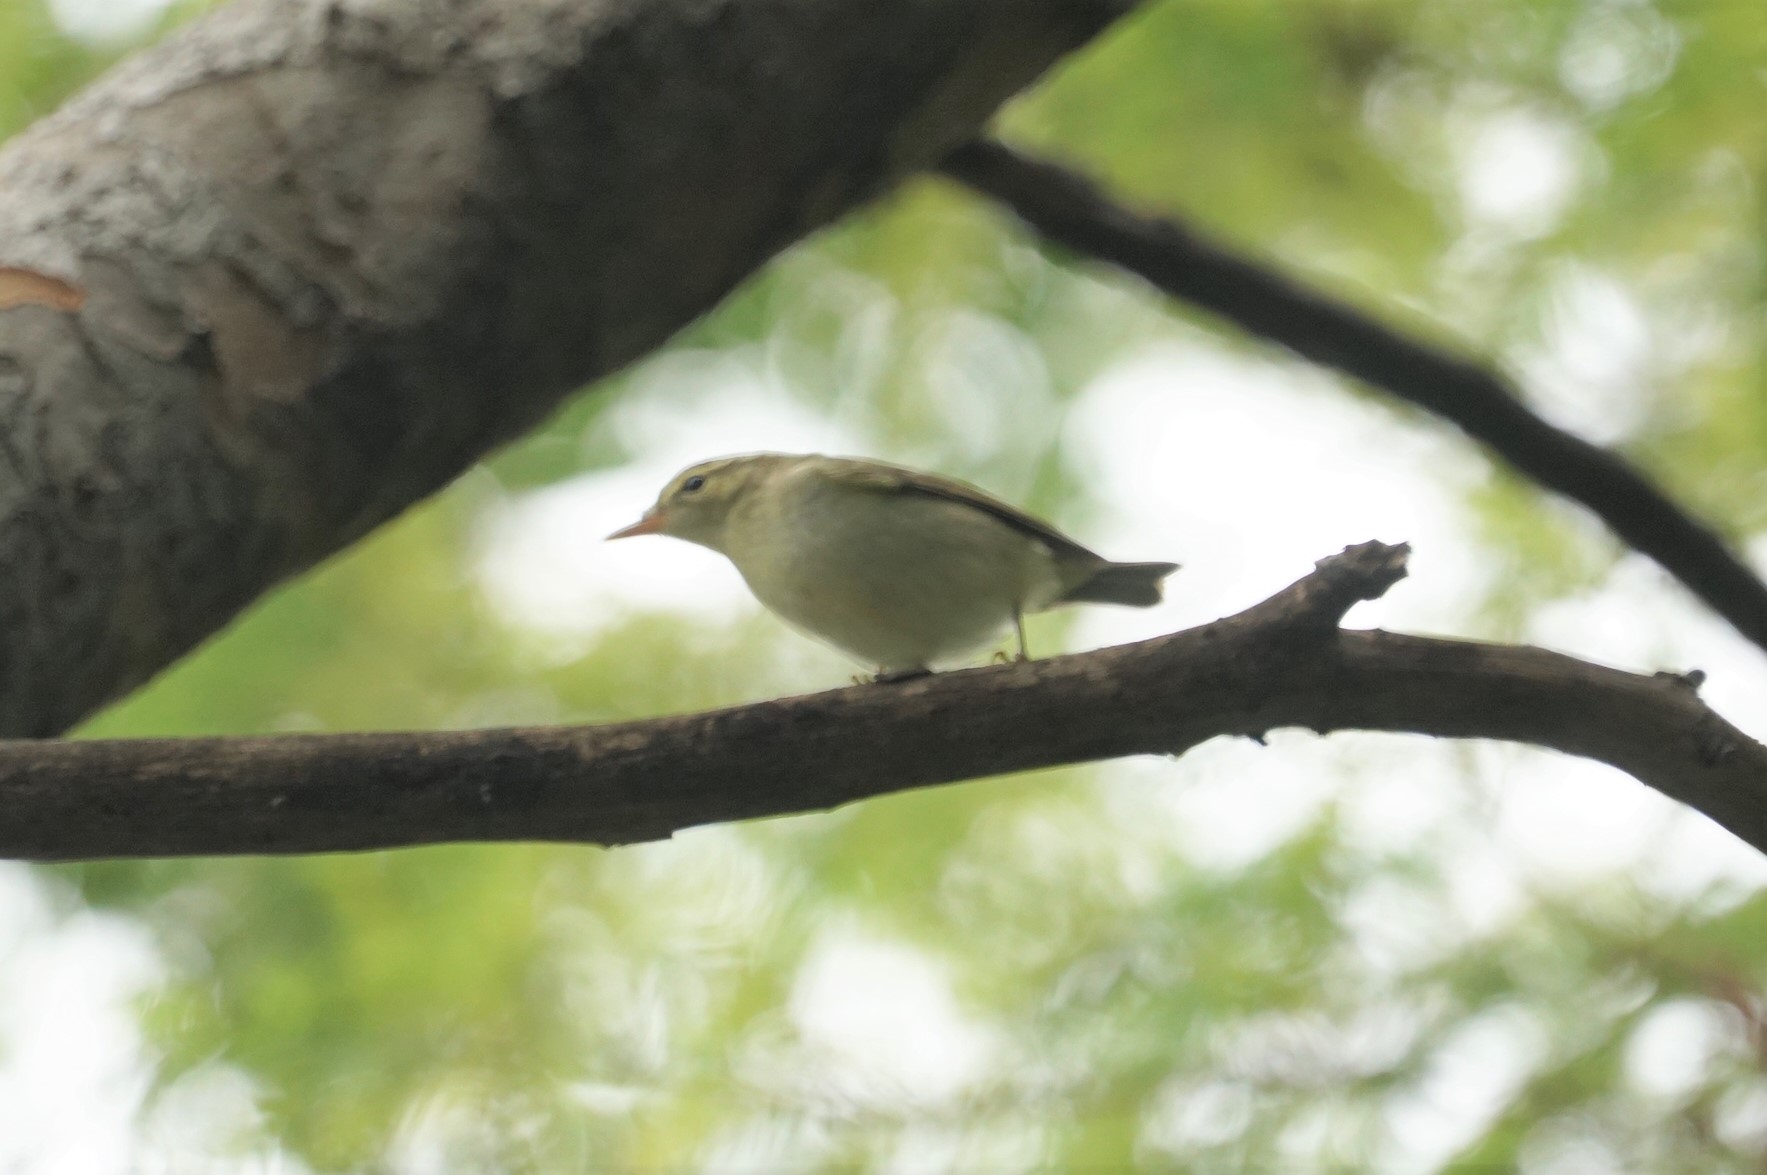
(1670, 1053)
(73, 1067)
(1467, 1082)
(1570, 820)
(106, 20)
(1517, 168)
(1231, 802)
(1591, 372)
(1616, 51)
(883, 1018)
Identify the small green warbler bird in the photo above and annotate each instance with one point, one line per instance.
(899, 569)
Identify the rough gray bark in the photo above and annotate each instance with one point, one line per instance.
(1285, 662)
(280, 276)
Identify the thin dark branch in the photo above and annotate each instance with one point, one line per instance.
(1070, 210)
(1282, 663)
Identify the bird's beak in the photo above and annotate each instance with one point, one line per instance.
(651, 523)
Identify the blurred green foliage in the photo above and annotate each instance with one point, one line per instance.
(1110, 1000)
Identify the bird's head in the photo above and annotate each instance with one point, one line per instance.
(696, 504)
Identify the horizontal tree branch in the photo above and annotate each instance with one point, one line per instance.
(1071, 210)
(1283, 663)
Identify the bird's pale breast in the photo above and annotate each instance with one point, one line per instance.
(898, 581)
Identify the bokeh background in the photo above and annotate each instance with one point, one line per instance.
(1355, 953)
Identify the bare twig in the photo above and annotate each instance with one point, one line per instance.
(1284, 662)
(1070, 210)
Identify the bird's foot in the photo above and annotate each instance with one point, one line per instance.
(891, 676)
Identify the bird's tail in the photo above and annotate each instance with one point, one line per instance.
(1134, 584)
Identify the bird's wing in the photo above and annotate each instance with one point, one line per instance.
(879, 478)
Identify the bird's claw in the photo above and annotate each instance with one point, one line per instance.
(891, 676)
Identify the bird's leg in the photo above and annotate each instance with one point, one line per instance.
(891, 676)
(1018, 622)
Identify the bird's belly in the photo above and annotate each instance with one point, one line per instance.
(902, 585)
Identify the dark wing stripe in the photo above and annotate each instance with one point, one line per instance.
(892, 479)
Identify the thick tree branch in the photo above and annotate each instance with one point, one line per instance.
(1070, 210)
(1282, 663)
(274, 279)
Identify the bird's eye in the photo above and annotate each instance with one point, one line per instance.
(693, 484)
